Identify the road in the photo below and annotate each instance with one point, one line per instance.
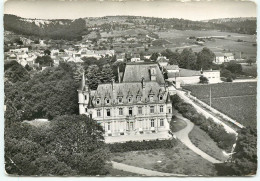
(142, 171)
(183, 136)
(182, 95)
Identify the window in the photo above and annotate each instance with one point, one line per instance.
(130, 111)
(152, 123)
(169, 110)
(107, 101)
(108, 112)
(108, 126)
(98, 101)
(140, 111)
(160, 97)
(161, 122)
(129, 99)
(120, 111)
(98, 113)
(86, 97)
(151, 109)
(120, 100)
(151, 98)
(86, 109)
(161, 108)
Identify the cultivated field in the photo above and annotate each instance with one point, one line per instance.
(237, 100)
(227, 42)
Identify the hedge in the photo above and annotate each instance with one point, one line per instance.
(216, 131)
(141, 145)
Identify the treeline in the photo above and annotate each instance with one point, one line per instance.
(57, 29)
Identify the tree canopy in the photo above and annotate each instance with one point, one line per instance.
(205, 59)
(187, 59)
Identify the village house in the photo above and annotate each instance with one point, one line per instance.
(223, 57)
(163, 61)
(135, 58)
(140, 104)
(213, 76)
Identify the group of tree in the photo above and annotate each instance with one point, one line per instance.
(47, 94)
(244, 159)
(45, 60)
(188, 59)
(104, 70)
(14, 72)
(69, 145)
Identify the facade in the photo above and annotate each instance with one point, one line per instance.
(130, 107)
(212, 75)
(223, 57)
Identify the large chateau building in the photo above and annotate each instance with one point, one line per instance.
(138, 104)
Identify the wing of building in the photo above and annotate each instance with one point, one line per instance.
(139, 104)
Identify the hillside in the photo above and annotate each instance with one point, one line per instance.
(75, 29)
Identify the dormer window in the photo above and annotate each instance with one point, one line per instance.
(120, 100)
(160, 97)
(98, 101)
(151, 98)
(107, 101)
(130, 99)
(138, 98)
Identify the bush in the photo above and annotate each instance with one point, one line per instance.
(141, 145)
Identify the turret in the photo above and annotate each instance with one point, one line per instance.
(83, 95)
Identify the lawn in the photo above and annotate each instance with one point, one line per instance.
(237, 100)
(250, 70)
(178, 124)
(178, 160)
(202, 140)
(120, 173)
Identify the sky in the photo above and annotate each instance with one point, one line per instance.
(188, 9)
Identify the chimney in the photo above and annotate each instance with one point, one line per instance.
(83, 80)
(118, 73)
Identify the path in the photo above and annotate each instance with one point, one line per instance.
(183, 136)
(141, 171)
(182, 95)
(245, 80)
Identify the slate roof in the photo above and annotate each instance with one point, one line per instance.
(172, 67)
(134, 72)
(188, 73)
(126, 90)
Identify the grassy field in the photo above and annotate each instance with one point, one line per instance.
(237, 100)
(179, 160)
(202, 140)
(120, 173)
(178, 124)
(180, 40)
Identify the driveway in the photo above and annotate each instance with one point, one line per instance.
(183, 136)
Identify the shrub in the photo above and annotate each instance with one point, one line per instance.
(216, 131)
(141, 145)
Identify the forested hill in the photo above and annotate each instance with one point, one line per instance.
(237, 25)
(74, 29)
(55, 29)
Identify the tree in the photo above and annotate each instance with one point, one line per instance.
(93, 76)
(44, 60)
(14, 72)
(187, 59)
(205, 59)
(80, 144)
(203, 80)
(234, 67)
(249, 61)
(107, 74)
(48, 94)
(154, 56)
(47, 52)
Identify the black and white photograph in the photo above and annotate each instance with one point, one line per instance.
(130, 88)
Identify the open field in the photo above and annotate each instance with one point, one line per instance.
(202, 140)
(237, 100)
(178, 160)
(227, 42)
